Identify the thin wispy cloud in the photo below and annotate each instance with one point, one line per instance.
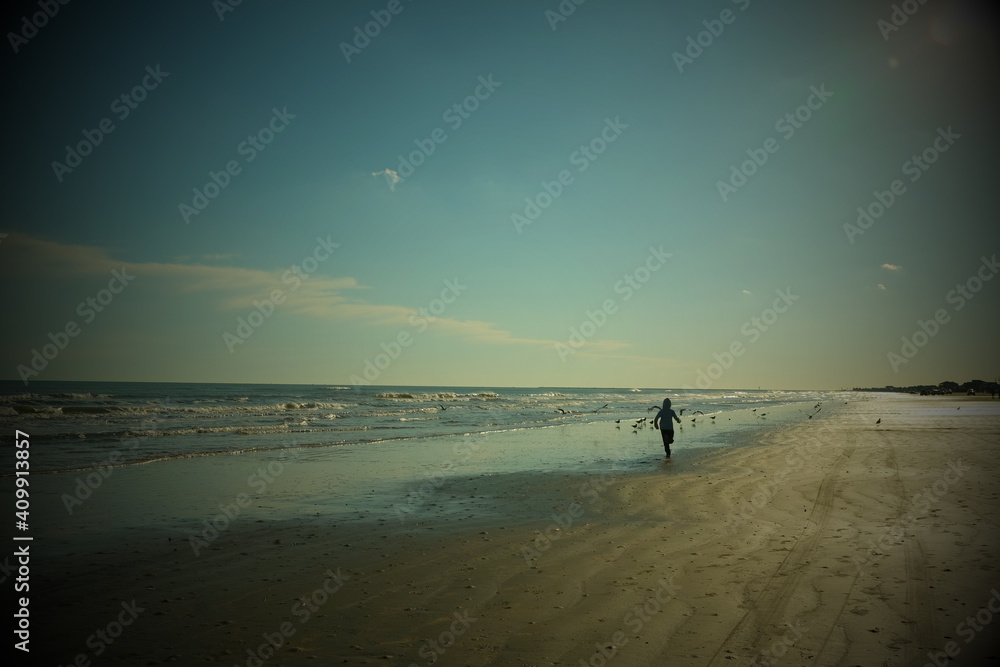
(892, 267)
(236, 288)
(391, 177)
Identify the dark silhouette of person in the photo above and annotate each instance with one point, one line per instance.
(662, 421)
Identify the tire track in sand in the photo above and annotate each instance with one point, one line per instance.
(749, 631)
(918, 597)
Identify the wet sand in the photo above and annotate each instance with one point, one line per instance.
(833, 541)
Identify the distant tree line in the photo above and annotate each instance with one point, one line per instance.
(946, 387)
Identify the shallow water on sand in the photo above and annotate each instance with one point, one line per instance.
(89, 425)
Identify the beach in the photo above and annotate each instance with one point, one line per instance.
(829, 541)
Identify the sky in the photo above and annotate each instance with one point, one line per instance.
(419, 192)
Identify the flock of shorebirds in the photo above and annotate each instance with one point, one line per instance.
(643, 422)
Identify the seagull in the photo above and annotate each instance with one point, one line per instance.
(712, 417)
(879, 421)
(618, 421)
(442, 407)
(681, 413)
(697, 412)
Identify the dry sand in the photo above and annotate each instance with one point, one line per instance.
(832, 542)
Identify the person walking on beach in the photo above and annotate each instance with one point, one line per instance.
(662, 421)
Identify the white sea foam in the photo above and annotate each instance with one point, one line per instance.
(82, 423)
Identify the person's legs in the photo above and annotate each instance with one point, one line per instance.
(668, 438)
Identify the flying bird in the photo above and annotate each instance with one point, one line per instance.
(878, 421)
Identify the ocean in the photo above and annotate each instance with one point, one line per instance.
(77, 426)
